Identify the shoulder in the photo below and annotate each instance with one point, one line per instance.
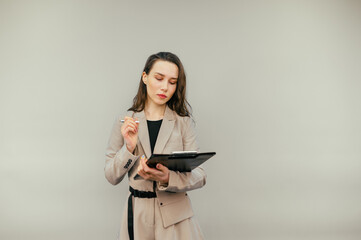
(186, 122)
(181, 119)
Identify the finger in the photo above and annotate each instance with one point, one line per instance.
(133, 124)
(126, 119)
(129, 120)
(139, 168)
(153, 172)
(160, 167)
(142, 174)
(130, 129)
(136, 119)
(142, 161)
(145, 175)
(141, 171)
(144, 165)
(130, 124)
(148, 169)
(127, 123)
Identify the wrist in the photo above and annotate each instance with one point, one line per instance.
(165, 181)
(130, 149)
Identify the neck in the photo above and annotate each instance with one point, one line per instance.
(154, 111)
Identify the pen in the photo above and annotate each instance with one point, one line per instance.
(124, 120)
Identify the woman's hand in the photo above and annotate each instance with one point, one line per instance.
(129, 130)
(159, 174)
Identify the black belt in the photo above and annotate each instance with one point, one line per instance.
(139, 194)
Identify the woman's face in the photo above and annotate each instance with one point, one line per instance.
(161, 82)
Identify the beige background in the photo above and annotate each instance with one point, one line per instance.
(275, 89)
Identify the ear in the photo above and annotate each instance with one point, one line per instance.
(144, 78)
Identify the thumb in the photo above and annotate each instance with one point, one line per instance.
(160, 167)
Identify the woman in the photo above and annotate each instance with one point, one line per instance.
(159, 121)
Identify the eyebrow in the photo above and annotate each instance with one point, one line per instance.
(164, 75)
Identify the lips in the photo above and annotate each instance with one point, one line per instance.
(162, 96)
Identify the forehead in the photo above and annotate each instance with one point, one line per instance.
(165, 68)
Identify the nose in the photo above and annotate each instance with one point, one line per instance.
(164, 86)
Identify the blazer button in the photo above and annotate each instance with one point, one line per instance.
(161, 204)
(186, 194)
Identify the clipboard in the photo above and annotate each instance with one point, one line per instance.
(182, 161)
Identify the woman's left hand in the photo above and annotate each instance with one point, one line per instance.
(159, 174)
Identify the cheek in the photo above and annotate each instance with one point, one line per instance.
(152, 87)
(172, 89)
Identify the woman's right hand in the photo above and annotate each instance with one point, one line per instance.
(129, 130)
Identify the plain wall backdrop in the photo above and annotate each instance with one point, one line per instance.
(275, 90)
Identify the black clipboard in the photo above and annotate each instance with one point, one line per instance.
(180, 161)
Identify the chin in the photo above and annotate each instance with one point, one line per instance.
(161, 102)
(158, 101)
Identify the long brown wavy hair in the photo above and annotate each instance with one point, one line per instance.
(178, 102)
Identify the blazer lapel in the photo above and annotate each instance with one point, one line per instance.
(165, 130)
(143, 134)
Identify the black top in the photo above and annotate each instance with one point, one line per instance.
(153, 129)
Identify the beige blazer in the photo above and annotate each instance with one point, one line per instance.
(176, 134)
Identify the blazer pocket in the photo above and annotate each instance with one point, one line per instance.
(174, 207)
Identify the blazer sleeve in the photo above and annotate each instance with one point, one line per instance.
(186, 181)
(118, 160)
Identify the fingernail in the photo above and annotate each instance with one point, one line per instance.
(142, 157)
